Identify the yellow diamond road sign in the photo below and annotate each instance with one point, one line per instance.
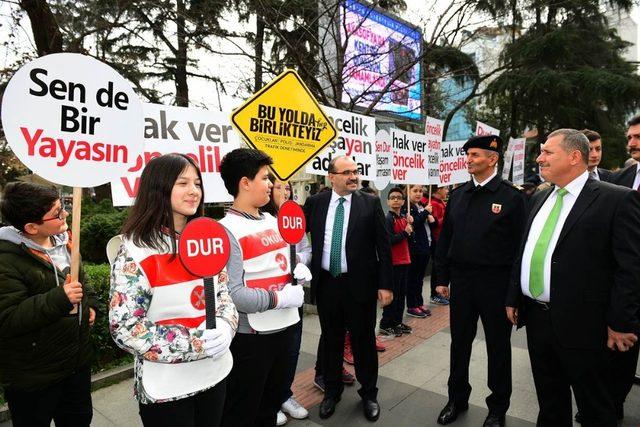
(284, 120)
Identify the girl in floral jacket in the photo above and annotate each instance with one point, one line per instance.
(157, 308)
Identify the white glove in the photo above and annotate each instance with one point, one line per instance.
(217, 341)
(302, 273)
(290, 296)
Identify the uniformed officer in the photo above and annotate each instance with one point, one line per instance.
(482, 228)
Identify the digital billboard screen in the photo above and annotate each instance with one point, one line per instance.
(378, 49)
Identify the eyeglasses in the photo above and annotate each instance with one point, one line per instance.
(347, 173)
(396, 198)
(60, 215)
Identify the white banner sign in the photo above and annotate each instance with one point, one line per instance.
(72, 120)
(518, 161)
(205, 136)
(433, 130)
(485, 129)
(410, 163)
(356, 138)
(508, 157)
(453, 163)
(384, 157)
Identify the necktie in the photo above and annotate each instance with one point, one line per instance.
(335, 256)
(593, 175)
(536, 269)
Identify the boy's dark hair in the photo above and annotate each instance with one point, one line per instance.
(369, 190)
(23, 202)
(591, 135)
(239, 163)
(152, 212)
(395, 190)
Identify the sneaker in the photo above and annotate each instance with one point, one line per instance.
(281, 419)
(347, 377)
(379, 346)
(348, 354)
(388, 332)
(294, 409)
(416, 312)
(405, 329)
(438, 300)
(318, 381)
(425, 310)
(398, 331)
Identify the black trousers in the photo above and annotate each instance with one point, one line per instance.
(434, 277)
(417, 270)
(480, 292)
(392, 313)
(202, 409)
(557, 369)
(254, 386)
(339, 311)
(623, 371)
(67, 403)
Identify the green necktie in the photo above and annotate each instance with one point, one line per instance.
(536, 269)
(335, 256)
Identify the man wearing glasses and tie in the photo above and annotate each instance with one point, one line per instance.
(351, 268)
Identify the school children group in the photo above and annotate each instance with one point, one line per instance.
(239, 373)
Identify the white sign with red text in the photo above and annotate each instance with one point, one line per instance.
(356, 138)
(384, 159)
(508, 158)
(518, 160)
(206, 136)
(410, 163)
(485, 129)
(453, 163)
(433, 130)
(72, 119)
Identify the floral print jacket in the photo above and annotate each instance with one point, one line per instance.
(130, 297)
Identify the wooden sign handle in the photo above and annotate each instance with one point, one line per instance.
(75, 248)
(75, 232)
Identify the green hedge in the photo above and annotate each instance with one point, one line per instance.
(96, 230)
(107, 353)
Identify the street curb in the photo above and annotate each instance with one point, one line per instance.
(98, 381)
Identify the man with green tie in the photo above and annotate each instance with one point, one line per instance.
(351, 267)
(576, 283)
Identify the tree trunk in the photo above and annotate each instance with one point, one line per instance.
(182, 88)
(46, 32)
(259, 50)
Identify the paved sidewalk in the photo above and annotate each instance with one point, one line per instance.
(412, 382)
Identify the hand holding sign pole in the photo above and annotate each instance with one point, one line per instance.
(74, 121)
(292, 226)
(204, 250)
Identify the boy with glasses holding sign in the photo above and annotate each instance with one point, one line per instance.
(400, 228)
(45, 356)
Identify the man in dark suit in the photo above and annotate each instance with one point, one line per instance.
(623, 365)
(595, 156)
(475, 253)
(576, 284)
(630, 176)
(351, 266)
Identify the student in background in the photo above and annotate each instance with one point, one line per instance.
(400, 229)
(419, 249)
